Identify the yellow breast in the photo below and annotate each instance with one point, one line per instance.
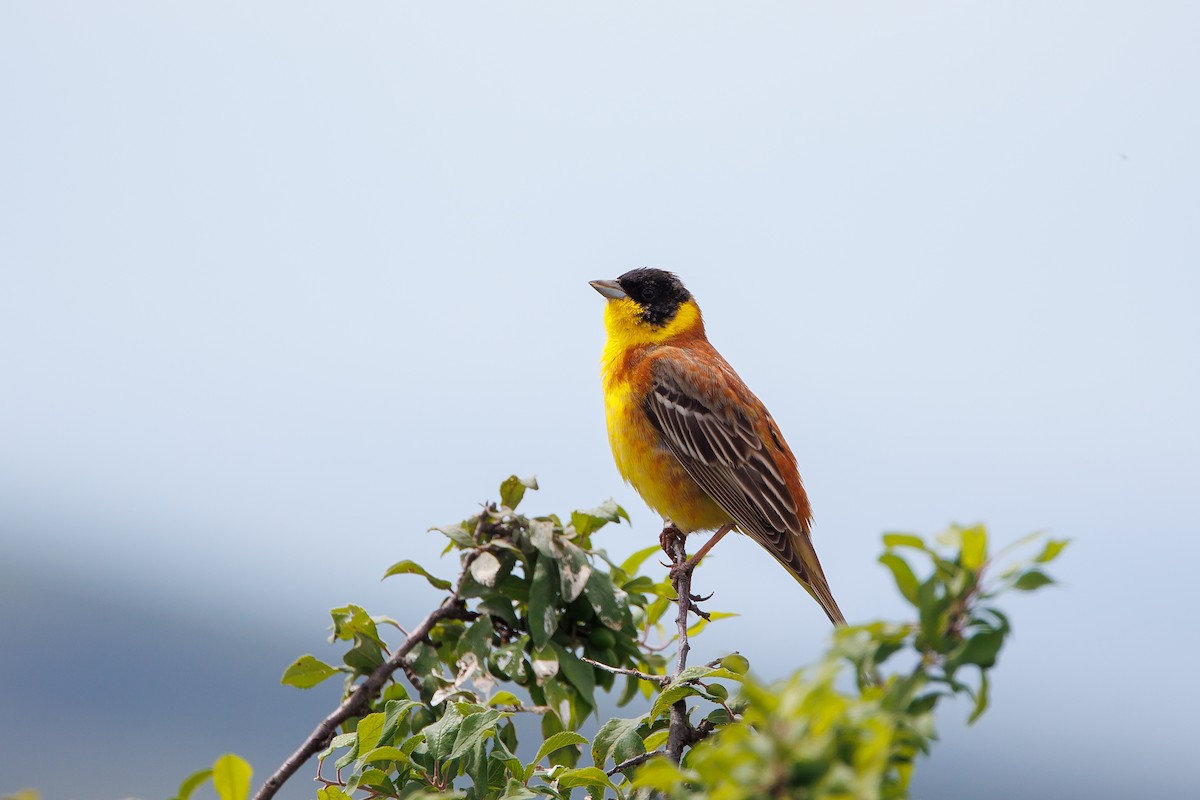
(643, 461)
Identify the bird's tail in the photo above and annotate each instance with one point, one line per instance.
(806, 569)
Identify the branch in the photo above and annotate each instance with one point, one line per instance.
(661, 680)
(633, 762)
(360, 699)
(700, 732)
(680, 731)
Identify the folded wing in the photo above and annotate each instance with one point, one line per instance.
(740, 460)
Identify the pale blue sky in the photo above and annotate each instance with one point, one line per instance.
(283, 284)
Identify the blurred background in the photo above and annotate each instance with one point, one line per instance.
(284, 284)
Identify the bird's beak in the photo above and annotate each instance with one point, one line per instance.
(610, 289)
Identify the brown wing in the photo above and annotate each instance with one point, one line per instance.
(699, 407)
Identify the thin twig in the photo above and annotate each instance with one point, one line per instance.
(360, 699)
(518, 708)
(680, 731)
(661, 680)
(633, 762)
(411, 674)
(716, 662)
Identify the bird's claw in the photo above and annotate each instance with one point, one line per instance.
(679, 570)
(667, 535)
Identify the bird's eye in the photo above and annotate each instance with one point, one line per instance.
(649, 293)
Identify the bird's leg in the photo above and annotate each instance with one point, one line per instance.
(682, 567)
(694, 561)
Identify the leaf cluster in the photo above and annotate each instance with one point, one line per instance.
(814, 736)
(550, 622)
(543, 621)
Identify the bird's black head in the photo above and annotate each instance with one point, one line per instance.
(658, 292)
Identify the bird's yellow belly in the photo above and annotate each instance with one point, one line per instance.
(653, 470)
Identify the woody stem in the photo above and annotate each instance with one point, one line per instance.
(680, 730)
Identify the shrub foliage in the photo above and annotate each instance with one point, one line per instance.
(539, 622)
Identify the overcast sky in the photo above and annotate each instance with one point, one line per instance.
(284, 284)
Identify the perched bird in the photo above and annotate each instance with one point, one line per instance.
(691, 438)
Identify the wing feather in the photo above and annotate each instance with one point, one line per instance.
(717, 443)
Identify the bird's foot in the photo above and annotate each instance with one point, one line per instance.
(668, 535)
(684, 570)
(693, 599)
(695, 609)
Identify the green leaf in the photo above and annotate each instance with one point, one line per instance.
(904, 540)
(477, 639)
(478, 766)
(512, 764)
(474, 728)
(982, 649)
(561, 698)
(974, 547)
(694, 674)
(543, 603)
(407, 567)
(981, 699)
(1033, 579)
(376, 778)
(658, 774)
(951, 537)
(348, 757)
(609, 602)
(499, 607)
(618, 740)
(457, 534)
(659, 737)
(306, 672)
(351, 621)
(412, 743)
(365, 657)
(545, 663)
(631, 565)
(906, 580)
(545, 536)
(590, 520)
(518, 791)
(231, 777)
(440, 736)
(505, 699)
(554, 742)
(1052, 549)
(582, 676)
(485, 568)
(393, 713)
(573, 571)
(671, 695)
(718, 717)
(736, 663)
(585, 776)
(386, 753)
(337, 743)
(332, 793)
(513, 489)
(189, 785)
(369, 730)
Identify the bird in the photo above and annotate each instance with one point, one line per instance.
(691, 438)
